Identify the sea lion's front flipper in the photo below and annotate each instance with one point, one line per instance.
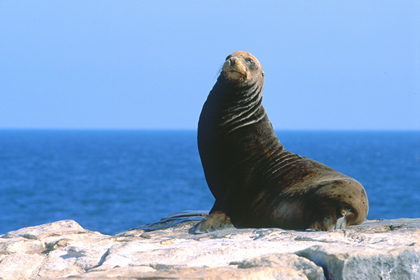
(215, 221)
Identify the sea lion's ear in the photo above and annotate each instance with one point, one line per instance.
(263, 73)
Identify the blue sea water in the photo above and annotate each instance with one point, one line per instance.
(111, 181)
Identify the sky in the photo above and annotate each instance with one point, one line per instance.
(329, 65)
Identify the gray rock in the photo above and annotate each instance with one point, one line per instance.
(383, 249)
(288, 262)
(353, 263)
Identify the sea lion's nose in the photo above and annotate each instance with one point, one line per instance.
(232, 61)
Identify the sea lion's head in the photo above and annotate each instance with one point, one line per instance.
(242, 68)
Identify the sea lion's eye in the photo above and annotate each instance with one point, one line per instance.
(228, 57)
(249, 60)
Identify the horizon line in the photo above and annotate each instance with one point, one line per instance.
(194, 129)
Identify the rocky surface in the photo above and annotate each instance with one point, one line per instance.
(381, 249)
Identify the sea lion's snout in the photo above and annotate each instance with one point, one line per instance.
(242, 68)
(235, 69)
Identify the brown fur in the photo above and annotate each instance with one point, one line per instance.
(256, 182)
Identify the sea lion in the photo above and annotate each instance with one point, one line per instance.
(255, 181)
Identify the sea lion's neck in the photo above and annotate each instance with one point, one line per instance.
(236, 106)
(232, 118)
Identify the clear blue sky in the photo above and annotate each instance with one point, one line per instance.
(150, 64)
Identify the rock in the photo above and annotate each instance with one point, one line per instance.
(20, 266)
(382, 249)
(286, 262)
(58, 248)
(221, 273)
(396, 263)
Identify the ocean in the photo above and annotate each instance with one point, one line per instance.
(111, 181)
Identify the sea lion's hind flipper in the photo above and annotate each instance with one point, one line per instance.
(330, 222)
(215, 221)
(345, 220)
